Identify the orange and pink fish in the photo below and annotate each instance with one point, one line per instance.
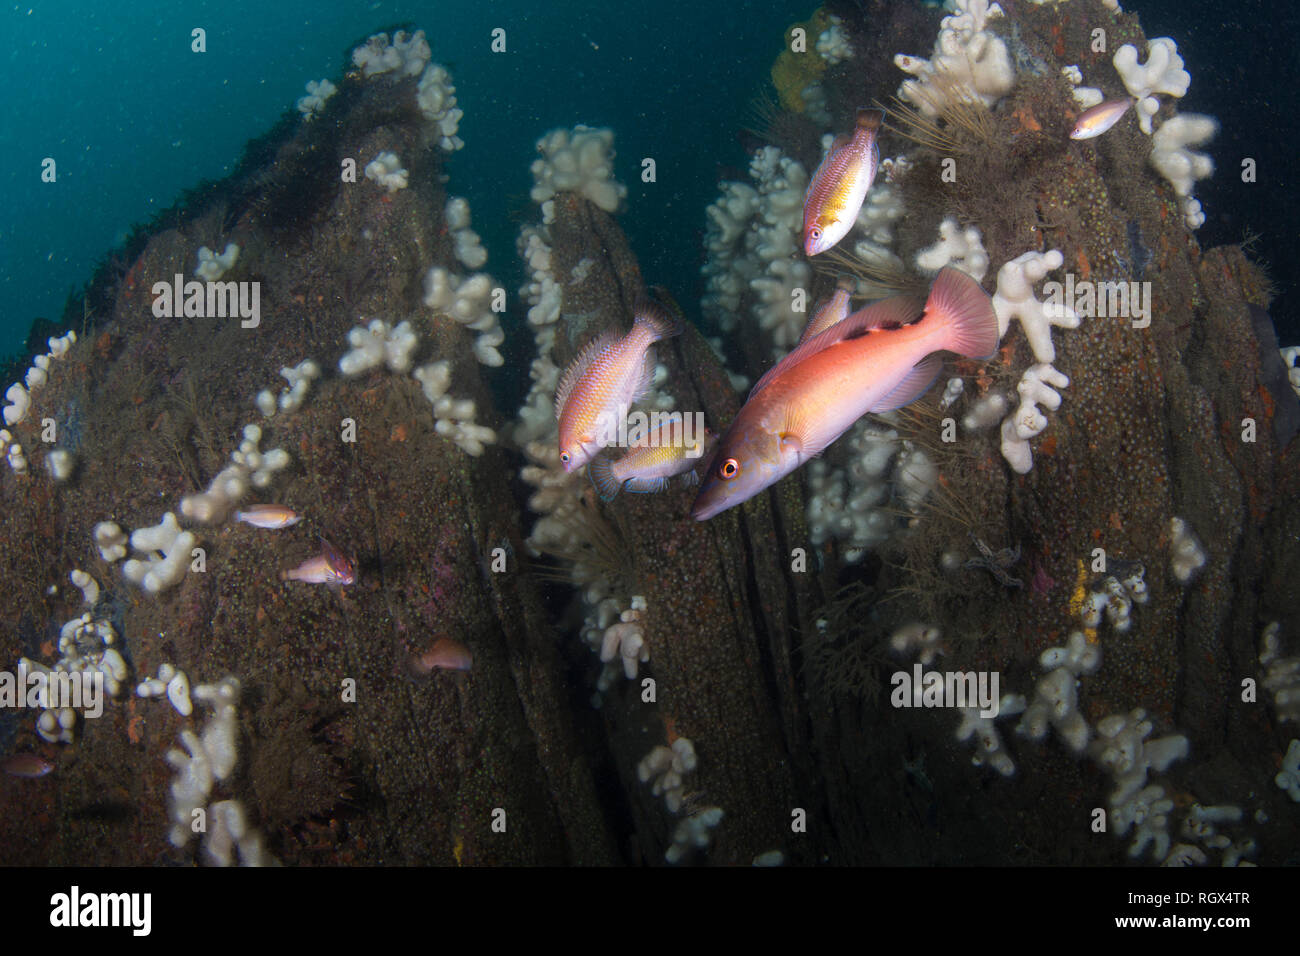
(331, 567)
(835, 195)
(876, 360)
(445, 653)
(1103, 116)
(27, 765)
(833, 310)
(653, 457)
(605, 380)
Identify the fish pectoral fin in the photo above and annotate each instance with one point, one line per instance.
(800, 435)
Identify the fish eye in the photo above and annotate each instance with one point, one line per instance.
(564, 457)
(815, 232)
(729, 468)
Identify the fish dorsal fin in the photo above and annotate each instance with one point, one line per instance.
(886, 314)
(580, 365)
(914, 384)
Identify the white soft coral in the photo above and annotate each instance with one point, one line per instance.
(969, 63)
(1162, 73)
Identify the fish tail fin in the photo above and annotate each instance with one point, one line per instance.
(601, 472)
(967, 310)
(870, 119)
(656, 320)
(645, 379)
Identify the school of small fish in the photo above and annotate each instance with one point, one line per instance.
(845, 365)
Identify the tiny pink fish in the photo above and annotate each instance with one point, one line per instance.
(443, 654)
(605, 381)
(331, 567)
(835, 309)
(272, 517)
(30, 766)
(1100, 118)
(835, 195)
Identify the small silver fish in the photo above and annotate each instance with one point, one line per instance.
(272, 517)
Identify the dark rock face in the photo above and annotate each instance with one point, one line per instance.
(401, 770)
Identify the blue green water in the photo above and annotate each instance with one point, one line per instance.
(132, 117)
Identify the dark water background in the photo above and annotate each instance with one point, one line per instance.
(1244, 58)
(133, 117)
